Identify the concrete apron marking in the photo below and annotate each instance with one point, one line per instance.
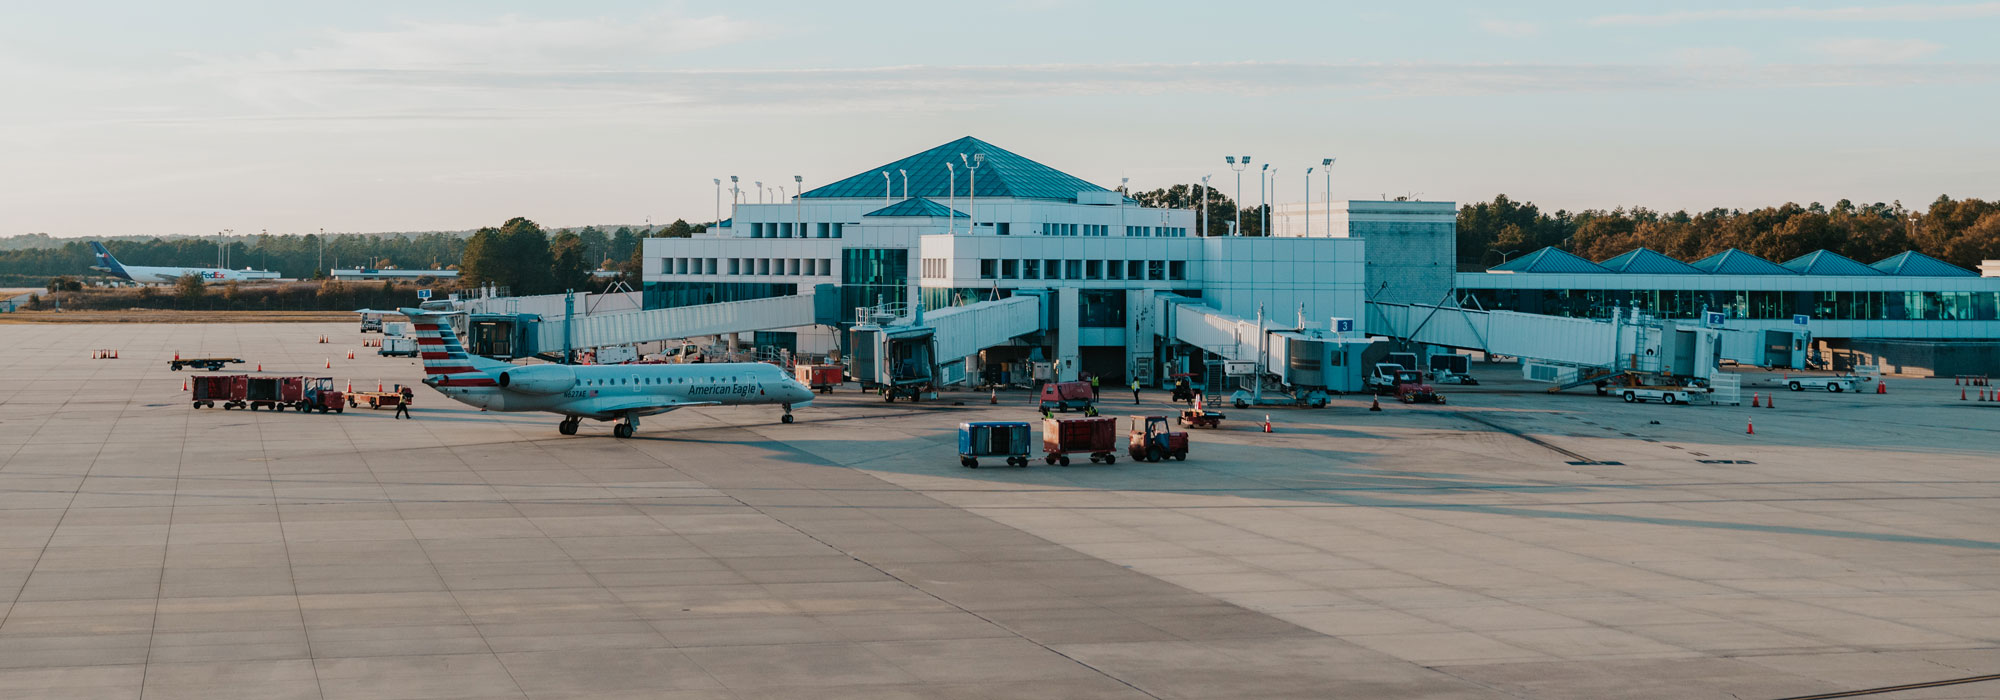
(1575, 459)
(1896, 688)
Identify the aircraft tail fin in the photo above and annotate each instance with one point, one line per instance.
(445, 361)
(108, 263)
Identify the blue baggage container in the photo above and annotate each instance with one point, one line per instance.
(1004, 439)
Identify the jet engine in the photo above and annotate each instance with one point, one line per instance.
(538, 379)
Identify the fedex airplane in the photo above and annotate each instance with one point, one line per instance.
(599, 392)
(142, 274)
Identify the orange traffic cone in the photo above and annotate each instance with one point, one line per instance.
(1954, 380)
(993, 396)
(184, 386)
(1881, 387)
(1771, 402)
(1267, 422)
(177, 354)
(350, 354)
(1750, 428)
(1961, 394)
(1755, 402)
(260, 366)
(378, 386)
(1375, 404)
(350, 386)
(329, 363)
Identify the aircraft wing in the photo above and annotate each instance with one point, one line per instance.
(648, 406)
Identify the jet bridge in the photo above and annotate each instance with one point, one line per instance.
(1565, 351)
(629, 327)
(1297, 359)
(897, 346)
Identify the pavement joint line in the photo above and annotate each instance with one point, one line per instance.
(1896, 688)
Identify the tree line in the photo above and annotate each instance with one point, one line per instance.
(1962, 232)
(522, 257)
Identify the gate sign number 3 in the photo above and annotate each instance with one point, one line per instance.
(1345, 325)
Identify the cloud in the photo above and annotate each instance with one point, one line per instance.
(1885, 13)
(1873, 50)
(1712, 56)
(1510, 28)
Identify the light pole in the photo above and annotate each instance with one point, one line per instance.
(1263, 201)
(1123, 188)
(760, 190)
(972, 190)
(1309, 204)
(718, 201)
(322, 249)
(733, 191)
(888, 189)
(1326, 166)
(906, 182)
(798, 214)
(1201, 224)
(1271, 208)
(1238, 167)
(951, 174)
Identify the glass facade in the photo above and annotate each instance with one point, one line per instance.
(1756, 305)
(1102, 308)
(668, 295)
(871, 276)
(947, 297)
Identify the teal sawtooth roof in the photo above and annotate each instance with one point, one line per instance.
(1549, 260)
(1003, 174)
(918, 206)
(1825, 262)
(1914, 264)
(1736, 262)
(1646, 261)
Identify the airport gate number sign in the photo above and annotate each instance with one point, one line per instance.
(424, 294)
(1345, 325)
(1716, 318)
(1801, 319)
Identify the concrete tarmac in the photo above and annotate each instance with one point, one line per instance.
(1511, 544)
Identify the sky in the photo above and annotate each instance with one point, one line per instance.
(125, 117)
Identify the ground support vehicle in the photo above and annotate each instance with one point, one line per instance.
(396, 346)
(1007, 440)
(1200, 418)
(1663, 394)
(1451, 369)
(321, 396)
(276, 393)
(232, 390)
(375, 399)
(1185, 389)
(1244, 398)
(1152, 441)
(211, 364)
(1062, 437)
(822, 378)
(1392, 379)
(1067, 396)
(1832, 384)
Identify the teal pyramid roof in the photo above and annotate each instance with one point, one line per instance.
(1003, 174)
(1736, 262)
(1825, 262)
(917, 206)
(1914, 264)
(1550, 260)
(1646, 261)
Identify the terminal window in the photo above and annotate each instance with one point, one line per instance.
(1009, 270)
(1072, 269)
(1177, 269)
(1114, 270)
(1093, 269)
(1156, 269)
(987, 268)
(1135, 270)
(1031, 269)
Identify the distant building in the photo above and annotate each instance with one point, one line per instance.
(363, 273)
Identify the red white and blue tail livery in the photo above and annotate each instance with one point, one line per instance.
(620, 393)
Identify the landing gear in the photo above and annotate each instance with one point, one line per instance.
(626, 428)
(568, 425)
(788, 414)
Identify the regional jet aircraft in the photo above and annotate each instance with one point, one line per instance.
(599, 392)
(157, 275)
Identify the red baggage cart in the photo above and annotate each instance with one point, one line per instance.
(822, 378)
(1064, 396)
(1062, 437)
(232, 390)
(276, 393)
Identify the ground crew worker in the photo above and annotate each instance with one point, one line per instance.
(403, 406)
(1093, 387)
(1135, 392)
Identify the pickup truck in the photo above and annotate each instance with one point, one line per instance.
(1832, 384)
(1662, 394)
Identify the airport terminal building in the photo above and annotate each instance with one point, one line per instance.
(976, 223)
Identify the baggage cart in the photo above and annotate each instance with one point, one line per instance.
(1067, 396)
(822, 378)
(275, 393)
(208, 363)
(1003, 439)
(231, 390)
(1062, 437)
(375, 399)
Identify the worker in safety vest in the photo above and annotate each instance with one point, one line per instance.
(1135, 392)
